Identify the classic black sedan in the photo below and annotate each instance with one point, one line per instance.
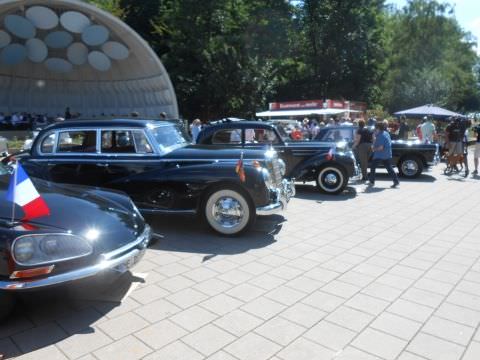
(304, 161)
(410, 157)
(155, 164)
(89, 232)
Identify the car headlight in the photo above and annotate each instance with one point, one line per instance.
(267, 178)
(282, 166)
(33, 250)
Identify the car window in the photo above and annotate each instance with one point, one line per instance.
(77, 141)
(141, 143)
(47, 144)
(117, 142)
(169, 137)
(337, 135)
(261, 136)
(227, 136)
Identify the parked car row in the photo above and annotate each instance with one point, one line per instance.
(236, 172)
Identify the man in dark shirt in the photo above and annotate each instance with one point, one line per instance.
(455, 133)
(403, 129)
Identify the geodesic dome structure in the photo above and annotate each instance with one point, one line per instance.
(67, 53)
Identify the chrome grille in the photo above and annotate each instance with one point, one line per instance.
(274, 169)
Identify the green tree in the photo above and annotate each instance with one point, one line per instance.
(430, 59)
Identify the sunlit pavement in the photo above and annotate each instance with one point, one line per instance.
(376, 273)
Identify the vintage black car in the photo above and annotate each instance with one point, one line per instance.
(410, 157)
(304, 161)
(89, 232)
(154, 162)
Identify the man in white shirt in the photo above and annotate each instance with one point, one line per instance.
(428, 131)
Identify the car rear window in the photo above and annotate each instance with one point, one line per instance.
(77, 141)
(124, 142)
(227, 136)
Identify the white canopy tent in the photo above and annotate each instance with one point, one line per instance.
(303, 112)
(60, 53)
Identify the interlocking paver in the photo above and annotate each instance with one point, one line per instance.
(253, 347)
(208, 339)
(330, 335)
(126, 348)
(448, 330)
(238, 322)
(303, 349)
(380, 344)
(434, 348)
(280, 330)
(350, 318)
(473, 352)
(160, 334)
(123, 325)
(193, 318)
(84, 343)
(396, 325)
(175, 351)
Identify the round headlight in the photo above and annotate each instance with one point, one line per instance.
(282, 166)
(24, 250)
(267, 178)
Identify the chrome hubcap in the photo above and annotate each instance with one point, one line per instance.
(409, 167)
(331, 179)
(228, 212)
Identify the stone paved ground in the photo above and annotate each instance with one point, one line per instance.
(384, 274)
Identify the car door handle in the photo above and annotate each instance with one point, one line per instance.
(101, 165)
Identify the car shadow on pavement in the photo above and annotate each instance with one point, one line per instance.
(309, 192)
(424, 178)
(52, 316)
(195, 237)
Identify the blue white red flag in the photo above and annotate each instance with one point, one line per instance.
(22, 192)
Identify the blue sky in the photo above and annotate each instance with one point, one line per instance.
(467, 13)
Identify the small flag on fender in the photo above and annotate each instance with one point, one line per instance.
(239, 169)
(331, 154)
(23, 193)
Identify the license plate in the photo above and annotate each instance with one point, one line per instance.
(131, 262)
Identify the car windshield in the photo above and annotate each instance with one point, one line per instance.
(169, 137)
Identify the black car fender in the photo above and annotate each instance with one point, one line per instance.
(192, 180)
(306, 170)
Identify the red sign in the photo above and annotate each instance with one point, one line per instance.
(318, 104)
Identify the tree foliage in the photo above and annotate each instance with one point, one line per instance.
(231, 57)
(430, 59)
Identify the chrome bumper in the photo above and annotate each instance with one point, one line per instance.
(281, 198)
(119, 260)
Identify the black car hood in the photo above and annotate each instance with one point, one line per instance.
(79, 210)
(209, 152)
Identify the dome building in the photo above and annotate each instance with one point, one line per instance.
(67, 53)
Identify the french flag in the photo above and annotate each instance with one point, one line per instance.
(331, 154)
(22, 192)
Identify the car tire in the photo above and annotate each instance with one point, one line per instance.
(6, 304)
(228, 211)
(331, 179)
(410, 166)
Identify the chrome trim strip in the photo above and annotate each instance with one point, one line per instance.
(166, 211)
(143, 160)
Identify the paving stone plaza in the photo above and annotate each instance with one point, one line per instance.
(372, 274)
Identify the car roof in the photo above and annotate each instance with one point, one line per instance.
(135, 123)
(241, 124)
